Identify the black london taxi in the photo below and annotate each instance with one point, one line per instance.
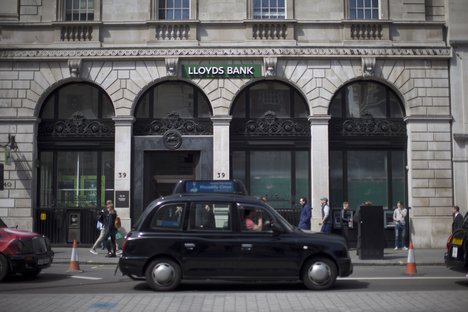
(209, 230)
(456, 257)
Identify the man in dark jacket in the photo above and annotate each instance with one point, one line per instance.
(457, 218)
(306, 214)
(344, 220)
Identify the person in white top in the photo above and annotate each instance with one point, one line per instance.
(399, 216)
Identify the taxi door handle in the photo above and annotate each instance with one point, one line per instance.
(189, 246)
(246, 247)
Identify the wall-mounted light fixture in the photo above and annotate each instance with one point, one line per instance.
(9, 147)
(12, 142)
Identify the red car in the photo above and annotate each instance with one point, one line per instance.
(23, 252)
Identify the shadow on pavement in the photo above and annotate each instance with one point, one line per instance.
(242, 286)
(41, 278)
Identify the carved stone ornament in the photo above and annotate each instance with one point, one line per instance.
(76, 127)
(368, 66)
(172, 139)
(130, 53)
(184, 126)
(389, 127)
(75, 67)
(270, 125)
(172, 64)
(270, 66)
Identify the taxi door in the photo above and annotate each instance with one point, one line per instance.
(209, 242)
(262, 252)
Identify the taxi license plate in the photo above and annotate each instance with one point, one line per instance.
(43, 261)
(457, 241)
(454, 252)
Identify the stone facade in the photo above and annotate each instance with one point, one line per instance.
(458, 38)
(314, 50)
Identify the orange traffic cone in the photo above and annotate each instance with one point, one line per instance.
(74, 265)
(411, 264)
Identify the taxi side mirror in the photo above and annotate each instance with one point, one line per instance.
(277, 229)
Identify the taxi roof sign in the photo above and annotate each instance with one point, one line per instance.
(210, 186)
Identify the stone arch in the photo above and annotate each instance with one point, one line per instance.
(371, 79)
(161, 80)
(395, 74)
(47, 80)
(250, 82)
(272, 79)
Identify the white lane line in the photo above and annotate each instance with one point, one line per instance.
(404, 278)
(87, 277)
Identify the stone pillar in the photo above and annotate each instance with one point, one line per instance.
(17, 198)
(319, 166)
(430, 191)
(122, 167)
(221, 137)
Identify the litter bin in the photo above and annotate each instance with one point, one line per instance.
(371, 232)
(74, 221)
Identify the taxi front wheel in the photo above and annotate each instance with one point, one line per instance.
(163, 275)
(319, 273)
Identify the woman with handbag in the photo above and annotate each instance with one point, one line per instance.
(110, 229)
(102, 230)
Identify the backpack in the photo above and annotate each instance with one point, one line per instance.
(117, 223)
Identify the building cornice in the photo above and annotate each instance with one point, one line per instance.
(428, 118)
(253, 52)
(19, 120)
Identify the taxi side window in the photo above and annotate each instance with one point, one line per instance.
(254, 219)
(168, 217)
(208, 216)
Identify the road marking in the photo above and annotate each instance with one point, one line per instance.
(403, 278)
(87, 277)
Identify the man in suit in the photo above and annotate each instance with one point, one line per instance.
(457, 218)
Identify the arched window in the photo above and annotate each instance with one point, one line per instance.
(367, 145)
(173, 105)
(76, 161)
(270, 142)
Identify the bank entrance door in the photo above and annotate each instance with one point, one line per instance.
(162, 170)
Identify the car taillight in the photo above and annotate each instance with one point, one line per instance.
(449, 240)
(124, 245)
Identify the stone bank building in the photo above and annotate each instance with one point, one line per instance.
(349, 99)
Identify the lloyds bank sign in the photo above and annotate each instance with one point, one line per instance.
(222, 71)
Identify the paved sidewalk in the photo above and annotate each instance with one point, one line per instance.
(434, 256)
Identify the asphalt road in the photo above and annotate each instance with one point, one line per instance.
(101, 279)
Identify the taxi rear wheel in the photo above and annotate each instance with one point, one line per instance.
(319, 273)
(3, 267)
(163, 275)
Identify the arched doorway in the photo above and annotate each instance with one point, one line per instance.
(172, 140)
(270, 143)
(76, 162)
(368, 140)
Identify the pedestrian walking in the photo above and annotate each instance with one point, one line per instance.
(102, 231)
(344, 221)
(399, 216)
(111, 230)
(306, 214)
(457, 218)
(326, 222)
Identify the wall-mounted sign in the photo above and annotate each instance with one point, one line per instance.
(121, 199)
(222, 71)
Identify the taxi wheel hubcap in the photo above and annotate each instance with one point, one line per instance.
(319, 272)
(163, 273)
